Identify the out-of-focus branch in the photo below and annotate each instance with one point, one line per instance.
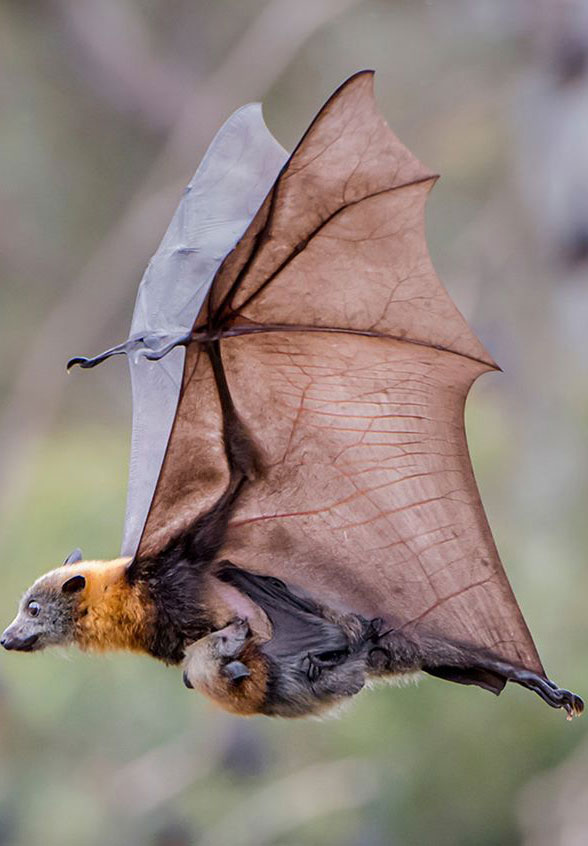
(161, 774)
(285, 804)
(263, 53)
(257, 59)
(109, 45)
(272, 811)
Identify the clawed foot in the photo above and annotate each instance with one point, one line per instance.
(152, 346)
(555, 696)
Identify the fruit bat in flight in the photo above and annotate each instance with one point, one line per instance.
(302, 513)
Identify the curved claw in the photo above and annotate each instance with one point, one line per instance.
(556, 697)
(575, 705)
(571, 702)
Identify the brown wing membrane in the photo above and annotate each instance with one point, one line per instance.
(349, 365)
(368, 500)
(195, 471)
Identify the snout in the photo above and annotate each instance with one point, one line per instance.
(17, 640)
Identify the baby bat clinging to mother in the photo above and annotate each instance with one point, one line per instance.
(302, 513)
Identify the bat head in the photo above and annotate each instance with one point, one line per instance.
(47, 612)
(89, 603)
(228, 667)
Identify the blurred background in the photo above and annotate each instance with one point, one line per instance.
(107, 107)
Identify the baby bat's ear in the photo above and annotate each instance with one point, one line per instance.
(235, 671)
(74, 557)
(73, 585)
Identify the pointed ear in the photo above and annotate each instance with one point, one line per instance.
(74, 584)
(235, 671)
(74, 557)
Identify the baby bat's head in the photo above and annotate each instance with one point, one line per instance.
(228, 667)
(238, 672)
(47, 612)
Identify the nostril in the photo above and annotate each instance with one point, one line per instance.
(187, 681)
(18, 643)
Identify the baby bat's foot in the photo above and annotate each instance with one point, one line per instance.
(152, 345)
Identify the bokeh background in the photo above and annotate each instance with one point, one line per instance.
(106, 109)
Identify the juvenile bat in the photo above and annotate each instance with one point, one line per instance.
(302, 513)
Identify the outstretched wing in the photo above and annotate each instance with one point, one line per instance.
(343, 357)
(219, 203)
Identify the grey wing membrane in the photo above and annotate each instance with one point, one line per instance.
(218, 205)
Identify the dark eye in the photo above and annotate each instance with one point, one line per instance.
(33, 608)
(332, 658)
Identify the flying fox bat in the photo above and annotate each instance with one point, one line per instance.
(302, 513)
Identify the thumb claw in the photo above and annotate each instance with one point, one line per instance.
(78, 359)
